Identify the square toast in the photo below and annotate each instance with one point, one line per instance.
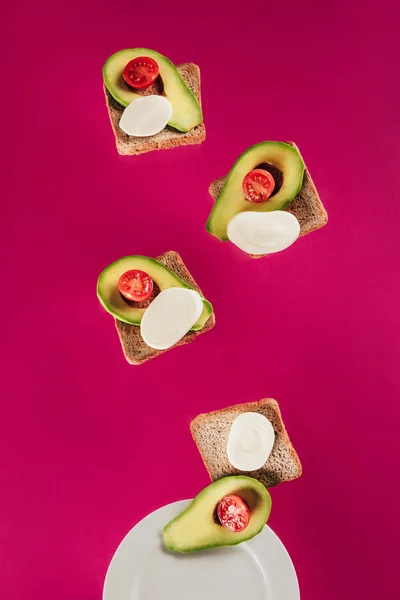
(210, 432)
(168, 137)
(306, 206)
(136, 351)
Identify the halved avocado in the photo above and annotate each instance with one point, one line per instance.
(197, 527)
(186, 111)
(110, 297)
(231, 199)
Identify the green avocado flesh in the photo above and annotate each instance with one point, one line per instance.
(186, 111)
(232, 201)
(197, 527)
(110, 297)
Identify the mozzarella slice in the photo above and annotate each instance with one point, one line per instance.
(170, 316)
(146, 116)
(250, 441)
(263, 232)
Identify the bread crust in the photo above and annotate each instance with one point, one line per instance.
(306, 206)
(135, 350)
(210, 432)
(168, 137)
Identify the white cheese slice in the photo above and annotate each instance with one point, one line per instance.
(250, 441)
(170, 316)
(263, 232)
(146, 116)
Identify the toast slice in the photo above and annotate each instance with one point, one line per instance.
(306, 206)
(168, 137)
(136, 351)
(210, 431)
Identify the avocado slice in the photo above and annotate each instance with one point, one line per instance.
(232, 201)
(197, 527)
(110, 297)
(186, 111)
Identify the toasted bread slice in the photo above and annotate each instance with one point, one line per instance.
(210, 431)
(306, 207)
(168, 137)
(136, 351)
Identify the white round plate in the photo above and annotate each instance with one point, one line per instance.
(142, 569)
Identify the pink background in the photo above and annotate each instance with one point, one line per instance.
(89, 444)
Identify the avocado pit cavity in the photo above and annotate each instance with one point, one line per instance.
(276, 174)
(155, 89)
(143, 303)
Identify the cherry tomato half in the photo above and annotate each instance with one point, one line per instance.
(258, 185)
(141, 72)
(135, 285)
(233, 513)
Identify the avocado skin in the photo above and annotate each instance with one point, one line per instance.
(110, 298)
(186, 533)
(231, 200)
(186, 111)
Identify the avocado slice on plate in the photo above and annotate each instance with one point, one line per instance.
(197, 528)
(232, 201)
(186, 111)
(110, 297)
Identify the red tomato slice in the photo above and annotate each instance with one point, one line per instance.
(258, 185)
(135, 285)
(233, 513)
(141, 72)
